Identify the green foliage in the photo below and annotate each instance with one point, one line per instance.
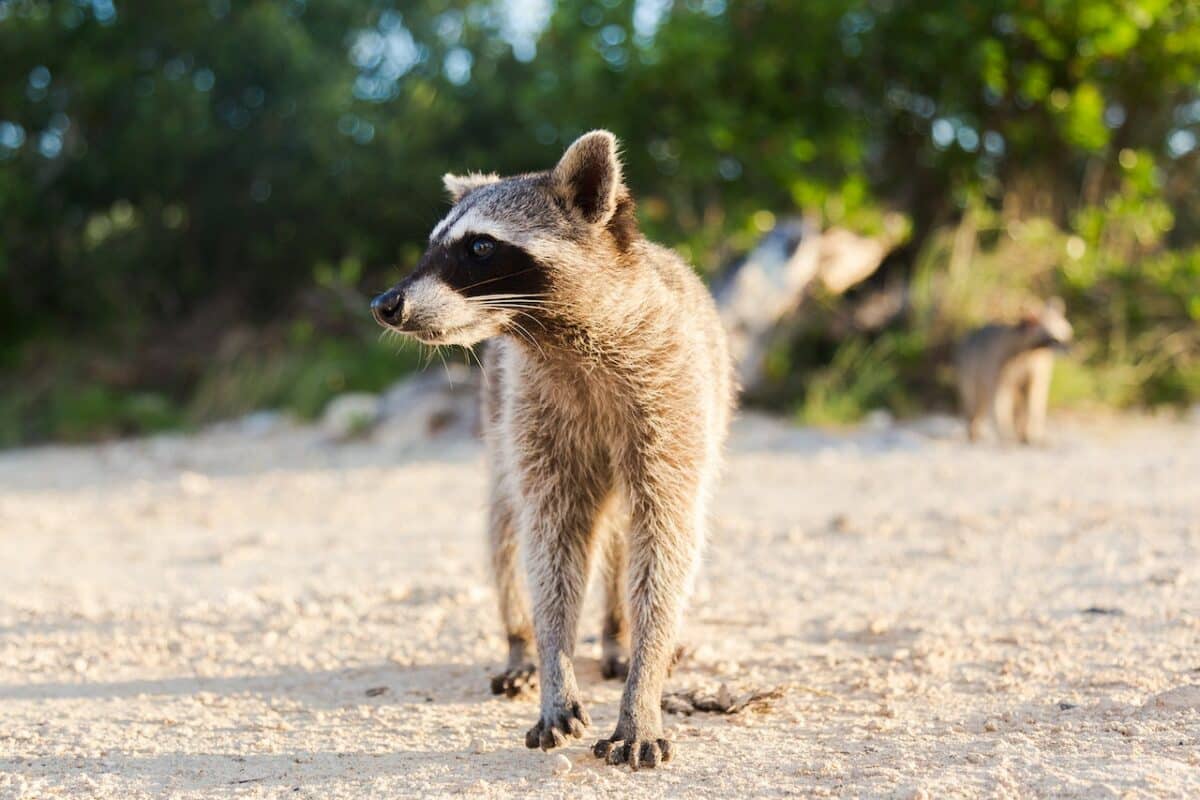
(73, 412)
(300, 378)
(162, 164)
(860, 378)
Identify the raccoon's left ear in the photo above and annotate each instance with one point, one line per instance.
(588, 176)
(457, 186)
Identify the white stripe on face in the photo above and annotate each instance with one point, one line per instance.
(460, 222)
(475, 222)
(454, 214)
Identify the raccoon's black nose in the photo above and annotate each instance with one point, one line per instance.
(387, 307)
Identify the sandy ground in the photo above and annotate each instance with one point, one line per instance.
(258, 616)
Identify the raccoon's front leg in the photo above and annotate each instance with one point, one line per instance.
(519, 673)
(1037, 398)
(662, 552)
(559, 526)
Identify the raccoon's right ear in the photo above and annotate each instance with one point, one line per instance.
(588, 176)
(457, 186)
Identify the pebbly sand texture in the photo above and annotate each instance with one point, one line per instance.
(266, 614)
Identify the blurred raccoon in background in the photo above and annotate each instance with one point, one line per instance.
(1004, 373)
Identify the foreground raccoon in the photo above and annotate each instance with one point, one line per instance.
(608, 394)
(1004, 373)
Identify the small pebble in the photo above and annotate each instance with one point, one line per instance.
(562, 764)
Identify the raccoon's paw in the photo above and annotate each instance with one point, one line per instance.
(614, 662)
(552, 729)
(682, 653)
(515, 681)
(615, 665)
(637, 753)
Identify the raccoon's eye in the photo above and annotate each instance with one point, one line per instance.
(482, 246)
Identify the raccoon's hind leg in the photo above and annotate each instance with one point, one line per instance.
(614, 646)
(973, 411)
(519, 674)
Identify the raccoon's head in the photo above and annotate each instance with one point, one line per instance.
(494, 263)
(1048, 326)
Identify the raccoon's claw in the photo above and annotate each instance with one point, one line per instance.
(636, 753)
(553, 731)
(515, 681)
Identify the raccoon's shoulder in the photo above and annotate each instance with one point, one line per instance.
(985, 334)
(979, 340)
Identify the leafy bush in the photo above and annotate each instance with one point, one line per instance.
(160, 161)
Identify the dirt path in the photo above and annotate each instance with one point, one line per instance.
(235, 616)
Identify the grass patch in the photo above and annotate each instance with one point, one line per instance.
(299, 379)
(861, 377)
(298, 376)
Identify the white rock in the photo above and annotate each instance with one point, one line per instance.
(879, 419)
(440, 404)
(561, 764)
(350, 415)
(194, 483)
(261, 423)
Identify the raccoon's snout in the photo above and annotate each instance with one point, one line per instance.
(388, 308)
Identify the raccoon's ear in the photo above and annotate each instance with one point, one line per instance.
(1056, 305)
(588, 176)
(457, 186)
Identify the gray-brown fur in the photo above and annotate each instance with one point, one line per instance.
(1004, 373)
(608, 396)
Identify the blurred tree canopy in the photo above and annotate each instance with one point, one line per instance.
(175, 170)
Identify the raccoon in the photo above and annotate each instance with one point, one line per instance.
(608, 392)
(1004, 373)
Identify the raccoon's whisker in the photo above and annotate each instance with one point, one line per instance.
(393, 337)
(531, 295)
(497, 278)
(528, 333)
(516, 298)
(521, 310)
(527, 336)
(470, 351)
(541, 324)
(512, 307)
(516, 304)
(510, 294)
(445, 366)
(487, 301)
